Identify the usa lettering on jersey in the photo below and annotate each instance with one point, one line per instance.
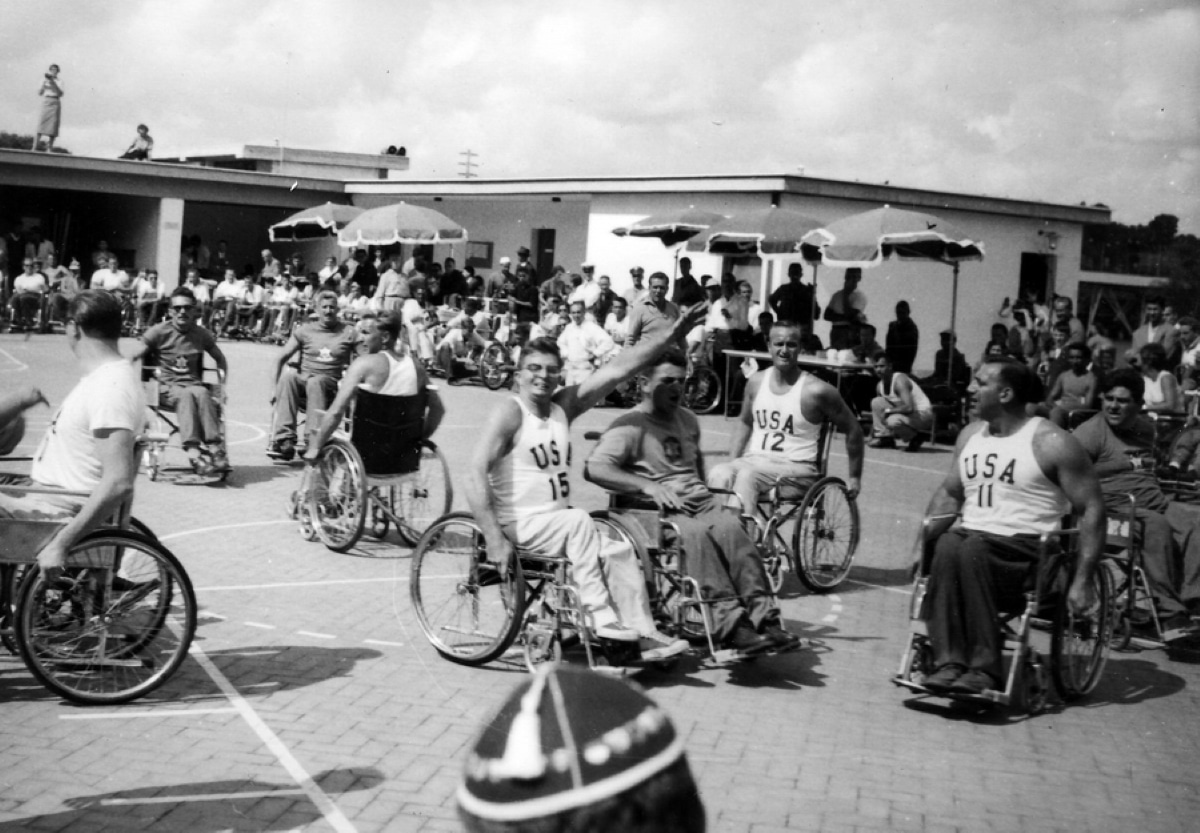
(544, 458)
(773, 427)
(984, 472)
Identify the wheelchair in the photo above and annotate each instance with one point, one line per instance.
(812, 527)
(162, 425)
(114, 626)
(1078, 645)
(374, 473)
(496, 366)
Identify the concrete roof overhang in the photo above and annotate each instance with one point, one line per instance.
(870, 194)
(157, 180)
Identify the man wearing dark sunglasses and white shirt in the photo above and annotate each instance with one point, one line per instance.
(178, 347)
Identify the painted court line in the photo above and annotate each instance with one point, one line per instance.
(316, 635)
(316, 795)
(383, 642)
(127, 715)
(262, 625)
(190, 797)
(283, 584)
(204, 529)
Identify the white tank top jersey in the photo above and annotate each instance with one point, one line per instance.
(401, 379)
(780, 430)
(534, 477)
(1006, 492)
(921, 403)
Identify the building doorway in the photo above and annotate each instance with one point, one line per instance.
(1037, 277)
(543, 251)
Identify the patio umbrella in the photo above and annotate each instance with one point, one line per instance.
(763, 232)
(766, 231)
(865, 240)
(319, 221)
(401, 223)
(671, 227)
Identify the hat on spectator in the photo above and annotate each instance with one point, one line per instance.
(564, 739)
(74, 264)
(637, 270)
(587, 267)
(523, 251)
(505, 261)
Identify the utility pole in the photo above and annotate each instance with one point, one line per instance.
(467, 164)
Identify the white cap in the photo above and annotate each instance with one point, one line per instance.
(505, 261)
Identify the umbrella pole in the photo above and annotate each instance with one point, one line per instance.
(812, 312)
(953, 333)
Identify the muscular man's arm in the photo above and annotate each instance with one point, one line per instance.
(744, 427)
(290, 349)
(333, 416)
(118, 470)
(834, 410)
(218, 358)
(904, 390)
(606, 467)
(577, 399)
(1064, 461)
(16, 403)
(494, 443)
(948, 499)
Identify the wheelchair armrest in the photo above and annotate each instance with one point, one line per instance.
(741, 509)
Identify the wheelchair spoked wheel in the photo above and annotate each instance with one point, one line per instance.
(702, 390)
(424, 496)
(11, 576)
(1079, 643)
(337, 496)
(780, 528)
(494, 369)
(467, 610)
(1119, 605)
(111, 629)
(826, 535)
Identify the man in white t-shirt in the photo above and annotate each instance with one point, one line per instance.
(89, 446)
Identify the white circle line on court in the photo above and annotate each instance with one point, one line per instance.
(203, 529)
(261, 434)
(20, 365)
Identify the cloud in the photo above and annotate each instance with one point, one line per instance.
(1065, 102)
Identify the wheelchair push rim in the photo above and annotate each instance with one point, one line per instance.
(468, 612)
(337, 496)
(424, 496)
(826, 535)
(114, 627)
(1079, 643)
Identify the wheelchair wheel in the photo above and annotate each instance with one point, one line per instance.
(826, 535)
(337, 496)
(702, 390)
(1079, 644)
(494, 369)
(469, 613)
(424, 496)
(114, 627)
(11, 576)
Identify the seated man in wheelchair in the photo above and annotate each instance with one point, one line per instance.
(1120, 442)
(177, 347)
(779, 429)
(654, 451)
(1014, 477)
(89, 446)
(326, 348)
(518, 486)
(386, 369)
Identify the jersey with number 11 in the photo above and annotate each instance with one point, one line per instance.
(534, 477)
(1005, 491)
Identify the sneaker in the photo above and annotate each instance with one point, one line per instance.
(282, 450)
(747, 641)
(974, 682)
(659, 646)
(945, 677)
(1179, 626)
(615, 630)
(202, 466)
(882, 442)
(220, 461)
(915, 444)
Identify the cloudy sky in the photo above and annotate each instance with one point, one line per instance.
(1091, 100)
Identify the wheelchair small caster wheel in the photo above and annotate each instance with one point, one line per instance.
(541, 646)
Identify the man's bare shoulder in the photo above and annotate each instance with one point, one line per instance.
(1053, 445)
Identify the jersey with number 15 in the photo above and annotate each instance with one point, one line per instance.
(533, 478)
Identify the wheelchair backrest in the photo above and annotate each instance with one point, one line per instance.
(386, 431)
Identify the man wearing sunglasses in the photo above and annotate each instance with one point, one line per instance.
(178, 347)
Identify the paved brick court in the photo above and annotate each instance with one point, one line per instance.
(312, 700)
